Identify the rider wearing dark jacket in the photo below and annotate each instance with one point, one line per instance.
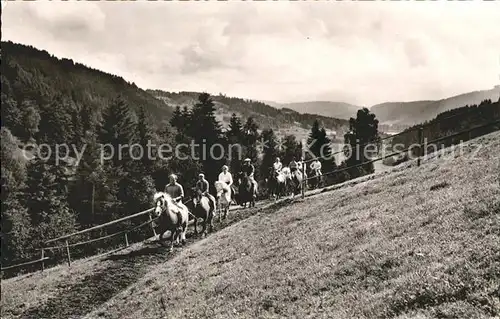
(248, 168)
(203, 186)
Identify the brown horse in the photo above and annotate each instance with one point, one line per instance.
(247, 191)
(203, 207)
(316, 179)
(172, 217)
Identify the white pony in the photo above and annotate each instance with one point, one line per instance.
(223, 197)
(172, 217)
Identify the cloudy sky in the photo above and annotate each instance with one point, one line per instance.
(358, 52)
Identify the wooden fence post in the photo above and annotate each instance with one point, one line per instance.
(126, 240)
(67, 252)
(151, 223)
(304, 180)
(420, 143)
(42, 258)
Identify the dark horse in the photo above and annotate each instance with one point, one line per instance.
(316, 179)
(277, 184)
(204, 208)
(247, 190)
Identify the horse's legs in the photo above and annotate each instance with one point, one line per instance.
(172, 240)
(204, 231)
(183, 233)
(219, 212)
(161, 240)
(195, 225)
(210, 220)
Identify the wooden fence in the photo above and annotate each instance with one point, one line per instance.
(66, 238)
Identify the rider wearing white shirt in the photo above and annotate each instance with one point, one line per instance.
(316, 166)
(225, 176)
(277, 165)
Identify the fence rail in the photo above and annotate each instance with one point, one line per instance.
(422, 145)
(147, 211)
(26, 263)
(66, 238)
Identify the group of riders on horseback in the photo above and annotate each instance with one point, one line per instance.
(290, 178)
(174, 214)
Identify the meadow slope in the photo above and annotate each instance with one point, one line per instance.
(414, 243)
(419, 243)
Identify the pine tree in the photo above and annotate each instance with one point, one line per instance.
(87, 118)
(251, 135)
(320, 146)
(92, 194)
(118, 130)
(145, 137)
(206, 132)
(56, 125)
(183, 126)
(292, 149)
(235, 132)
(270, 152)
(363, 132)
(78, 129)
(177, 117)
(235, 138)
(205, 125)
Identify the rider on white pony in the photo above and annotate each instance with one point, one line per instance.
(316, 167)
(277, 165)
(175, 191)
(226, 177)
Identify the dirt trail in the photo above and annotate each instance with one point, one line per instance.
(75, 299)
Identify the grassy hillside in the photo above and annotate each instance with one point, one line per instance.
(32, 74)
(414, 243)
(339, 110)
(267, 116)
(410, 113)
(419, 243)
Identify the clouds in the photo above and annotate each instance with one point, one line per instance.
(358, 52)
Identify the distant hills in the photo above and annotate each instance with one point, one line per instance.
(339, 110)
(284, 120)
(395, 114)
(410, 113)
(33, 75)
